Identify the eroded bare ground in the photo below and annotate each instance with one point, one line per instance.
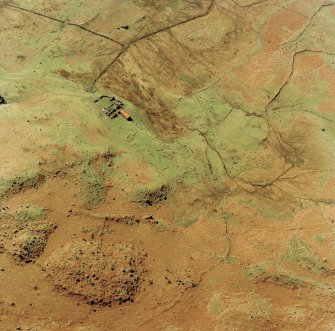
(212, 210)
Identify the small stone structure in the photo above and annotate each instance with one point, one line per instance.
(112, 107)
(2, 100)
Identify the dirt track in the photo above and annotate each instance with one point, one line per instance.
(212, 210)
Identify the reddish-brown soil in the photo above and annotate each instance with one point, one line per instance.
(212, 210)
